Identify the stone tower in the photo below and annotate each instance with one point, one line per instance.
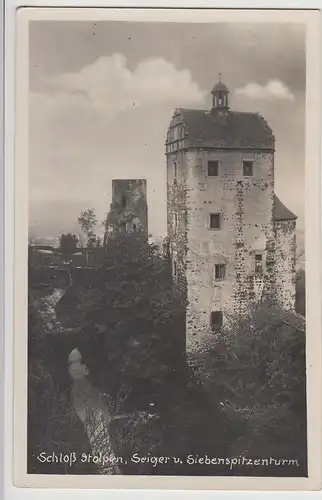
(228, 234)
(129, 208)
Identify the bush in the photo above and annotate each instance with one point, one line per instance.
(256, 368)
(131, 318)
(53, 426)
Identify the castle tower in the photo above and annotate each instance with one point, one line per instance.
(129, 208)
(221, 213)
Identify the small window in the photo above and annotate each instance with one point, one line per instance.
(175, 220)
(220, 271)
(123, 201)
(216, 319)
(247, 168)
(175, 268)
(214, 221)
(213, 168)
(258, 263)
(175, 170)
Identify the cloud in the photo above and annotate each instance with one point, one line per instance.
(274, 89)
(101, 122)
(111, 87)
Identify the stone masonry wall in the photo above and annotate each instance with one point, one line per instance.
(130, 197)
(285, 262)
(245, 205)
(176, 204)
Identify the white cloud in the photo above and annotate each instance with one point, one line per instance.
(274, 89)
(84, 131)
(111, 87)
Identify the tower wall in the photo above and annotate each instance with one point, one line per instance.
(246, 206)
(285, 263)
(129, 204)
(177, 216)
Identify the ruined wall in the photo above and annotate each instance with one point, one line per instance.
(285, 262)
(245, 205)
(129, 203)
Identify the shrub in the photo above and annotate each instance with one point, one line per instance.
(256, 368)
(131, 317)
(53, 426)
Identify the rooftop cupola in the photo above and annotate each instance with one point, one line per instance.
(220, 95)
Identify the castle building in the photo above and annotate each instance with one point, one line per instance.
(231, 240)
(129, 208)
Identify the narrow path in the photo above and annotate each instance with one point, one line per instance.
(94, 414)
(86, 399)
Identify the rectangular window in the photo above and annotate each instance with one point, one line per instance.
(220, 271)
(124, 201)
(213, 168)
(258, 263)
(247, 168)
(174, 268)
(175, 170)
(216, 319)
(214, 221)
(175, 220)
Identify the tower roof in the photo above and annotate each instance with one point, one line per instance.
(235, 129)
(281, 212)
(220, 87)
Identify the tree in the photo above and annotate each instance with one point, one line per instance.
(131, 315)
(68, 244)
(87, 221)
(91, 239)
(52, 423)
(256, 368)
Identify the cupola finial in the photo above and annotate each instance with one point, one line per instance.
(220, 95)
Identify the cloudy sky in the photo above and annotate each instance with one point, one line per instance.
(102, 95)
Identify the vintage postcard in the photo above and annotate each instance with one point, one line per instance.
(167, 308)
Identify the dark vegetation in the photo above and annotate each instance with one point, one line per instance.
(245, 394)
(52, 423)
(68, 245)
(300, 292)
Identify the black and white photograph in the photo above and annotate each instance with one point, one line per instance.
(166, 288)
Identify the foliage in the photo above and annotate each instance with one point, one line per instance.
(53, 426)
(300, 292)
(131, 314)
(87, 221)
(68, 244)
(256, 367)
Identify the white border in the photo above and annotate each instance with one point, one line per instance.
(313, 251)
